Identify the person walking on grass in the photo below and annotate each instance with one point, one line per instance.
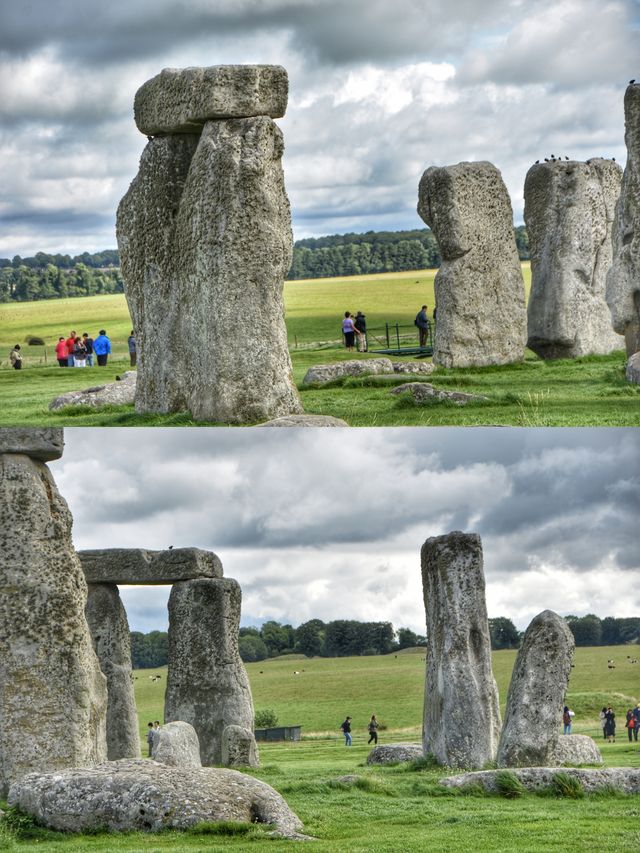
(15, 357)
(373, 730)
(102, 348)
(345, 728)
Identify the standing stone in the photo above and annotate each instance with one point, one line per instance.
(204, 234)
(207, 685)
(112, 642)
(53, 696)
(479, 287)
(568, 211)
(239, 747)
(177, 745)
(536, 694)
(459, 684)
(623, 280)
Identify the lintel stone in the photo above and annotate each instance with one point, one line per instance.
(42, 443)
(139, 566)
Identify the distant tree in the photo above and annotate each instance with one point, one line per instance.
(407, 639)
(252, 648)
(587, 630)
(309, 637)
(504, 634)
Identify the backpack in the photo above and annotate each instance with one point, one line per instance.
(566, 718)
(415, 322)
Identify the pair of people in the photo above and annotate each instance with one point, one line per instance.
(633, 723)
(345, 728)
(152, 735)
(352, 327)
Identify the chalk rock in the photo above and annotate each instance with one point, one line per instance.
(479, 287)
(633, 369)
(42, 443)
(207, 685)
(181, 100)
(625, 779)
(576, 749)
(568, 211)
(395, 753)
(144, 795)
(459, 678)
(204, 234)
(419, 367)
(536, 693)
(623, 279)
(239, 748)
(109, 629)
(139, 566)
(53, 696)
(177, 745)
(119, 393)
(321, 373)
(306, 421)
(424, 392)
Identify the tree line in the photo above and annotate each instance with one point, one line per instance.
(46, 276)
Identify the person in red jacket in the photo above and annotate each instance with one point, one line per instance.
(71, 342)
(62, 353)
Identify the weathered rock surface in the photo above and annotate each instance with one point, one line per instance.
(625, 779)
(321, 373)
(306, 421)
(204, 234)
(479, 287)
(139, 566)
(536, 693)
(181, 100)
(109, 629)
(424, 392)
(395, 753)
(53, 696)
(145, 795)
(623, 279)
(633, 369)
(207, 684)
(568, 211)
(42, 443)
(459, 676)
(239, 747)
(119, 393)
(419, 367)
(576, 749)
(177, 745)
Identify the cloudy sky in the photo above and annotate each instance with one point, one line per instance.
(378, 92)
(329, 523)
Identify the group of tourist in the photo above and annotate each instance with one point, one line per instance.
(608, 723)
(79, 350)
(153, 730)
(354, 328)
(372, 728)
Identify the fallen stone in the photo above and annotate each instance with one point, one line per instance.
(117, 393)
(623, 278)
(536, 693)
(568, 211)
(424, 392)
(306, 421)
(207, 685)
(633, 369)
(53, 697)
(459, 679)
(177, 745)
(139, 566)
(573, 750)
(624, 779)
(181, 100)
(322, 373)
(239, 747)
(42, 443)
(127, 795)
(479, 287)
(109, 629)
(395, 753)
(419, 367)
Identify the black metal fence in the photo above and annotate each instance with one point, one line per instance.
(399, 339)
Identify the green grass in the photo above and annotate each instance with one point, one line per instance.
(580, 392)
(388, 809)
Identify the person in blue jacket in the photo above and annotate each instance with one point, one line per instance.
(102, 347)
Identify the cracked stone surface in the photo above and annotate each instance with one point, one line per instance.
(625, 779)
(140, 566)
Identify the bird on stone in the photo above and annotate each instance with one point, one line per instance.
(170, 547)
(537, 161)
(565, 157)
(631, 82)
(546, 159)
(614, 159)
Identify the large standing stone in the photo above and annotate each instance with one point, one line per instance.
(53, 696)
(568, 211)
(207, 684)
(111, 639)
(479, 287)
(459, 684)
(139, 566)
(623, 280)
(536, 693)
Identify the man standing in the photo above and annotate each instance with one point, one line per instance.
(422, 322)
(346, 731)
(133, 355)
(102, 348)
(88, 344)
(70, 342)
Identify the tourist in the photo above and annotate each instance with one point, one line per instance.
(566, 719)
(62, 353)
(373, 730)
(88, 344)
(15, 357)
(360, 325)
(422, 322)
(630, 724)
(636, 717)
(610, 725)
(102, 348)
(71, 342)
(79, 353)
(133, 356)
(349, 330)
(603, 722)
(155, 735)
(346, 731)
(150, 737)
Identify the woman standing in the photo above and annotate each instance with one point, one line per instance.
(349, 330)
(610, 725)
(373, 730)
(15, 357)
(603, 722)
(62, 352)
(79, 353)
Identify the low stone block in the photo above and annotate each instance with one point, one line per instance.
(181, 100)
(576, 749)
(138, 566)
(625, 779)
(423, 392)
(633, 369)
(42, 443)
(305, 421)
(239, 748)
(122, 392)
(177, 745)
(321, 373)
(395, 753)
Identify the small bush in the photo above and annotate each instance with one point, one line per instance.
(508, 785)
(266, 719)
(564, 785)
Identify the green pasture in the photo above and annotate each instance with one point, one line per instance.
(590, 391)
(389, 809)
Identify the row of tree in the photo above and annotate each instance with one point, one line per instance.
(348, 637)
(28, 284)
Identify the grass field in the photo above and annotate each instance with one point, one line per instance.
(390, 809)
(581, 392)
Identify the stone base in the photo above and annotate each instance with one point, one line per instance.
(624, 779)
